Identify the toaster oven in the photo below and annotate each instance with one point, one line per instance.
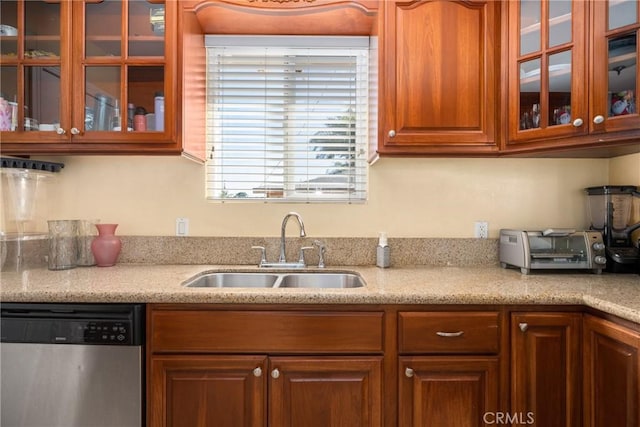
(552, 249)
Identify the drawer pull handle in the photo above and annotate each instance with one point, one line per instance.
(257, 372)
(450, 334)
(275, 374)
(523, 327)
(408, 372)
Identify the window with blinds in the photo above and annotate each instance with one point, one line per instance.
(287, 118)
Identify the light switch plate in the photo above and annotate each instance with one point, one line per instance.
(182, 226)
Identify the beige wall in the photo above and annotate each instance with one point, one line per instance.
(408, 197)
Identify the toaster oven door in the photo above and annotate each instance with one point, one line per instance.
(570, 251)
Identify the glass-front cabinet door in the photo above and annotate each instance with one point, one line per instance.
(34, 69)
(123, 70)
(614, 100)
(90, 72)
(547, 69)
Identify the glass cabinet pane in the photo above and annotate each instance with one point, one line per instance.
(9, 29)
(146, 29)
(103, 28)
(530, 94)
(530, 18)
(8, 98)
(146, 97)
(622, 75)
(559, 22)
(42, 98)
(41, 29)
(560, 88)
(622, 13)
(102, 103)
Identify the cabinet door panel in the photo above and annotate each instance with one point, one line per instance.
(325, 392)
(547, 70)
(458, 391)
(612, 374)
(545, 362)
(439, 76)
(207, 391)
(616, 30)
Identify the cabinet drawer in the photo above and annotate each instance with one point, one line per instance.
(318, 332)
(448, 332)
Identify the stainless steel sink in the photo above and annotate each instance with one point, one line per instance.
(258, 279)
(233, 280)
(321, 280)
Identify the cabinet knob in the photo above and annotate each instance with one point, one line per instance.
(75, 131)
(392, 133)
(523, 327)
(408, 372)
(275, 373)
(257, 372)
(598, 119)
(60, 131)
(578, 122)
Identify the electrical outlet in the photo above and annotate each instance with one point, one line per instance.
(182, 226)
(482, 230)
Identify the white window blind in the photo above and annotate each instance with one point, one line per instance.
(287, 118)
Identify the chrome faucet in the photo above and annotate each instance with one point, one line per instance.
(283, 256)
(282, 261)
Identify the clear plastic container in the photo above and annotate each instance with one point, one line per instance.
(25, 201)
(617, 198)
(26, 187)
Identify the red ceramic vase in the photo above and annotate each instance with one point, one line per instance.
(106, 245)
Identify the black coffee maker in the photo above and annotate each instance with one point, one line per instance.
(610, 211)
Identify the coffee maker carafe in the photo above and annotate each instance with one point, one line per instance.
(610, 213)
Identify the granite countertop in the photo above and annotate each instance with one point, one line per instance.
(617, 294)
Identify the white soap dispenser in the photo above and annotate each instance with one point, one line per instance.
(383, 259)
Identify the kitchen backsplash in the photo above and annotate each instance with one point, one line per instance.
(237, 251)
(339, 251)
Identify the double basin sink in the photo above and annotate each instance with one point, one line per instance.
(316, 280)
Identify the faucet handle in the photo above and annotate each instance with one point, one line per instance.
(263, 257)
(322, 248)
(301, 257)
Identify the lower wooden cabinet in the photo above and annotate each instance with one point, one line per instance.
(452, 391)
(391, 366)
(611, 374)
(545, 369)
(448, 368)
(325, 391)
(213, 367)
(198, 391)
(236, 391)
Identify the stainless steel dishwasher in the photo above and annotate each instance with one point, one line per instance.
(72, 365)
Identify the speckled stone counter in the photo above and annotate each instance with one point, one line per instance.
(616, 294)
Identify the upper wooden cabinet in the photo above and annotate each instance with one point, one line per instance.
(75, 73)
(439, 71)
(572, 82)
